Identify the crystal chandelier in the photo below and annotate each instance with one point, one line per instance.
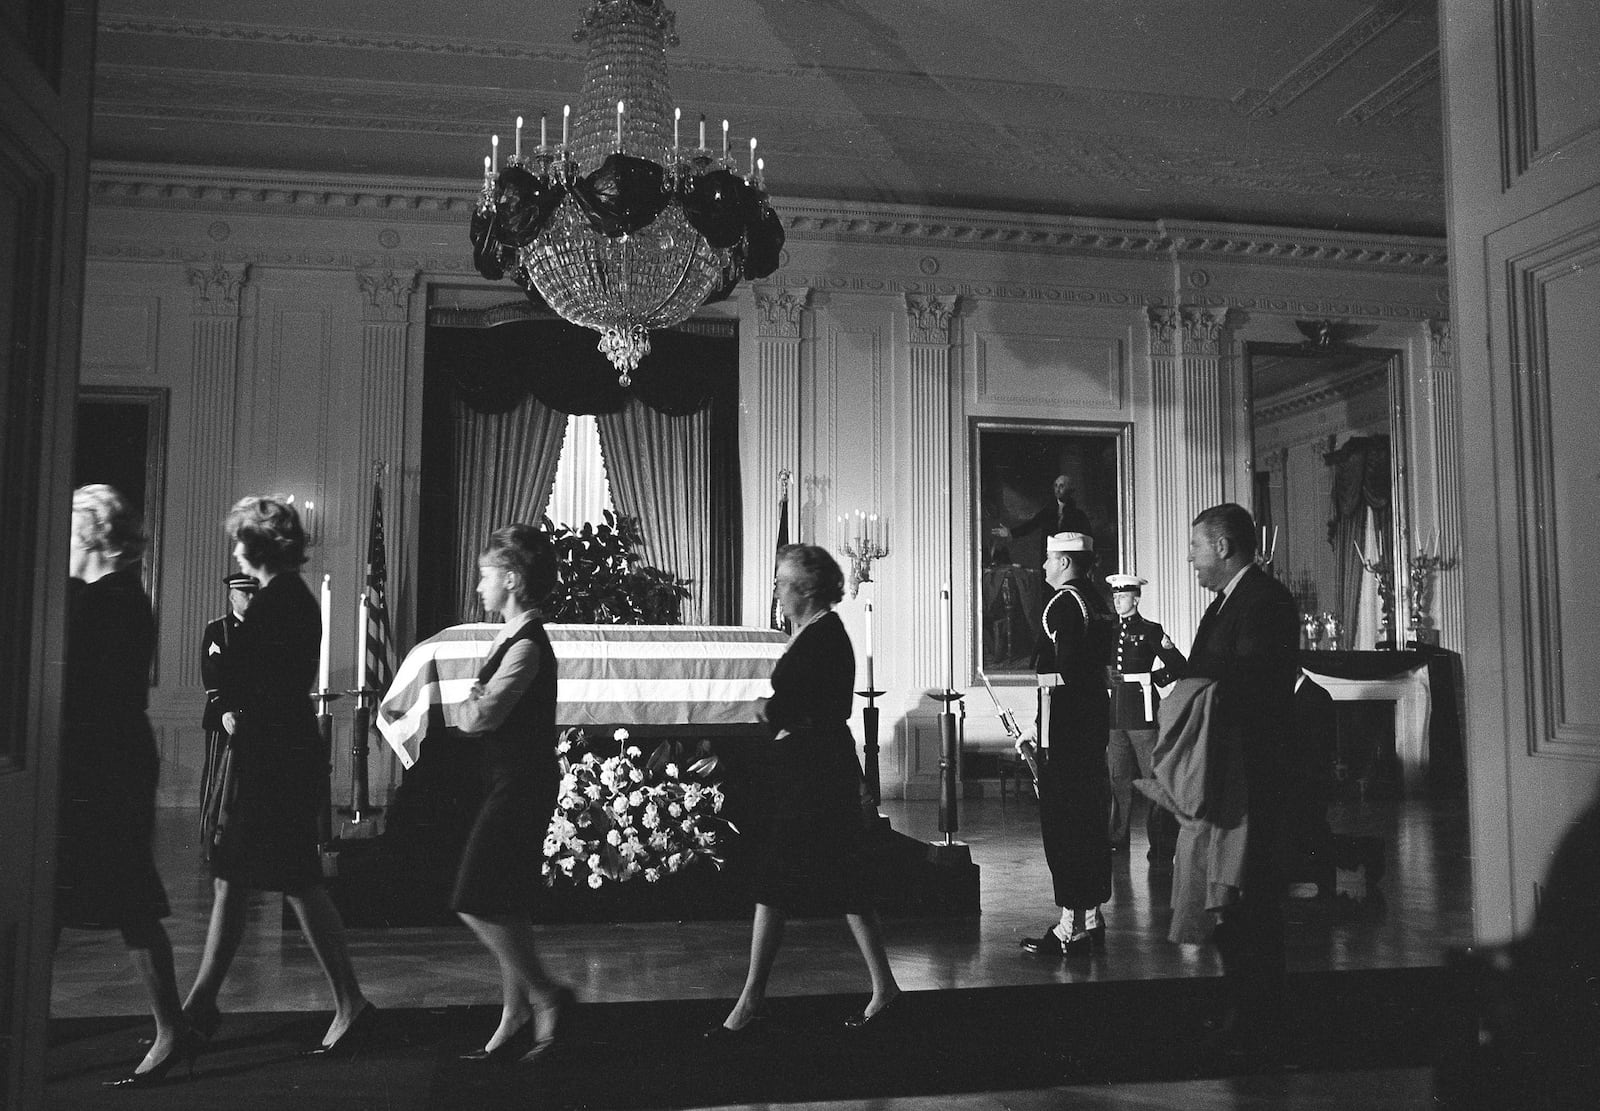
(620, 227)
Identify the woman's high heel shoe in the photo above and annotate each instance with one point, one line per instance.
(186, 1048)
(565, 1003)
(203, 1020)
(354, 1038)
(877, 1019)
(519, 1043)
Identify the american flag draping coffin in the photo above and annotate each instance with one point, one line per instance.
(607, 675)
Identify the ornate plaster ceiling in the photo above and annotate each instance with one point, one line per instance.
(1288, 112)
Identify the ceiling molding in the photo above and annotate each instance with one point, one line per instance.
(1259, 104)
(363, 197)
(1322, 392)
(1387, 103)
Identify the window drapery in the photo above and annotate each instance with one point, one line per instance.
(1361, 486)
(504, 467)
(660, 473)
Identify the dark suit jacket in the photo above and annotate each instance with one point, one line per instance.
(213, 646)
(1250, 647)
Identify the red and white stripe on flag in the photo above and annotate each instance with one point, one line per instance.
(606, 675)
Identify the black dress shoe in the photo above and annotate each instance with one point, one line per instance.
(187, 1048)
(355, 1038)
(877, 1020)
(544, 1048)
(520, 1042)
(1051, 946)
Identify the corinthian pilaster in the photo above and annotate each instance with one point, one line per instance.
(385, 345)
(213, 385)
(772, 434)
(1445, 412)
(1188, 347)
(930, 486)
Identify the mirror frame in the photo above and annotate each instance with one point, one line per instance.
(1399, 445)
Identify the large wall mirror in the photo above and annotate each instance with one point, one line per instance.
(1329, 485)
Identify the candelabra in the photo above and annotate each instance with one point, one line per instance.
(1267, 548)
(1420, 571)
(864, 537)
(1382, 572)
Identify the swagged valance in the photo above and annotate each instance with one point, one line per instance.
(493, 369)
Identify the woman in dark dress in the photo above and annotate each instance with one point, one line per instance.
(512, 708)
(106, 874)
(268, 841)
(811, 858)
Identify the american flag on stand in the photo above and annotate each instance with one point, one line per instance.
(380, 635)
(779, 621)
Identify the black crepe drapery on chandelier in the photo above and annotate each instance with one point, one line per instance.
(615, 228)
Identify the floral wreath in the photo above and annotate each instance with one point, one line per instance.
(617, 820)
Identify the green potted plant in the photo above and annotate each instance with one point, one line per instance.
(601, 580)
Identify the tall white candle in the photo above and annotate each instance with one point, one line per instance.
(946, 638)
(494, 153)
(518, 151)
(542, 143)
(619, 125)
(866, 637)
(361, 642)
(702, 131)
(326, 651)
(566, 113)
(677, 117)
(724, 140)
(752, 157)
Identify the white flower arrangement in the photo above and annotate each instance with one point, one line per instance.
(614, 821)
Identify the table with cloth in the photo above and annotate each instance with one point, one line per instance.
(692, 686)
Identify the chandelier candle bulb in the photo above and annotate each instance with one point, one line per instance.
(325, 653)
(494, 154)
(517, 151)
(702, 131)
(488, 172)
(761, 172)
(724, 140)
(677, 116)
(542, 143)
(752, 156)
(566, 113)
(619, 125)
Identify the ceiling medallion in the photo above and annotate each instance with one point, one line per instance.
(615, 228)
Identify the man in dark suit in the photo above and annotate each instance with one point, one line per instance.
(1146, 659)
(1061, 515)
(1247, 642)
(213, 647)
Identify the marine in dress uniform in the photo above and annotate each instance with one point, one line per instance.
(1073, 651)
(213, 648)
(1135, 676)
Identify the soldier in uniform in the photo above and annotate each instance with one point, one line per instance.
(1135, 675)
(213, 647)
(1069, 743)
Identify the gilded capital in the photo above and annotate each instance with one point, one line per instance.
(1441, 344)
(778, 312)
(386, 295)
(217, 289)
(1163, 323)
(930, 316)
(1202, 329)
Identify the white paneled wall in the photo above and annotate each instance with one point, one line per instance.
(287, 318)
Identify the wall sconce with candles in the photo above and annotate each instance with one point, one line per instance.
(863, 537)
(310, 518)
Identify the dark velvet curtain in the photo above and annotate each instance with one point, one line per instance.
(1361, 481)
(686, 391)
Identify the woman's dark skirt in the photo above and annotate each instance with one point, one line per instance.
(501, 871)
(105, 871)
(268, 841)
(811, 860)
